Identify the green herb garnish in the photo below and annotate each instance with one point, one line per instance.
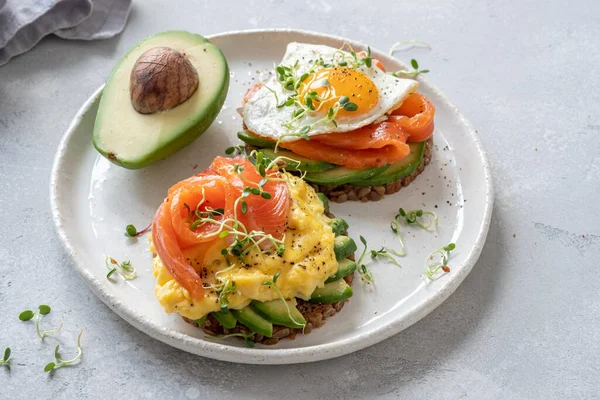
(6, 360)
(43, 309)
(59, 362)
(131, 231)
(366, 275)
(124, 269)
(410, 74)
(433, 264)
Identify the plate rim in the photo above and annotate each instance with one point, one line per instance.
(271, 355)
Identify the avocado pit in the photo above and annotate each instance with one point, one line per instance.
(162, 78)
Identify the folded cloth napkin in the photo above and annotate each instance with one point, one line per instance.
(23, 23)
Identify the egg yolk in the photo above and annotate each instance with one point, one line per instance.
(331, 84)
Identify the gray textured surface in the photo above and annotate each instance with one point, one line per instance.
(524, 324)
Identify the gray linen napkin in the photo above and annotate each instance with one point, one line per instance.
(23, 23)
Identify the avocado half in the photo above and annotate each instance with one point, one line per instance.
(134, 140)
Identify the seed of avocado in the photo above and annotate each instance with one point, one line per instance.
(397, 170)
(343, 246)
(339, 226)
(250, 318)
(276, 312)
(332, 292)
(225, 318)
(345, 268)
(134, 140)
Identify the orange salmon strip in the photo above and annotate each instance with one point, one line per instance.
(373, 145)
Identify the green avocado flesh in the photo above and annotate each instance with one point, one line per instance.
(332, 292)
(345, 268)
(323, 173)
(343, 175)
(254, 140)
(250, 318)
(133, 140)
(338, 226)
(276, 311)
(295, 162)
(225, 318)
(343, 246)
(398, 170)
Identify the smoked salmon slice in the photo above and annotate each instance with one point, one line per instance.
(214, 192)
(373, 145)
(268, 215)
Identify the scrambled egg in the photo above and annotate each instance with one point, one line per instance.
(308, 260)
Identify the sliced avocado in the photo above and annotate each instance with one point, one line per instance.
(339, 226)
(343, 246)
(201, 321)
(250, 318)
(324, 200)
(276, 311)
(398, 170)
(342, 175)
(332, 292)
(294, 162)
(225, 318)
(133, 140)
(254, 140)
(345, 268)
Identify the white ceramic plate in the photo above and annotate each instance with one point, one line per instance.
(93, 200)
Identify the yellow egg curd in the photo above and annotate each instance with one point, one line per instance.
(307, 261)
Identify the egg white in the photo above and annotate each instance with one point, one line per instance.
(262, 116)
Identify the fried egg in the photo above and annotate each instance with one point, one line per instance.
(373, 92)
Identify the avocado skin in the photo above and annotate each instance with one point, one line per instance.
(205, 117)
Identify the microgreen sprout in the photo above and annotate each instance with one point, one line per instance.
(246, 336)
(366, 275)
(410, 74)
(6, 360)
(124, 269)
(131, 231)
(273, 284)
(59, 362)
(438, 259)
(224, 294)
(388, 253)
(43, 309)
(235, 149)
(423, 219)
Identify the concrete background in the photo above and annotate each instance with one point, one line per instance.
(525, 324)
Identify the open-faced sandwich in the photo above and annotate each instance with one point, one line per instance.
(242, 249)
(356, 131)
